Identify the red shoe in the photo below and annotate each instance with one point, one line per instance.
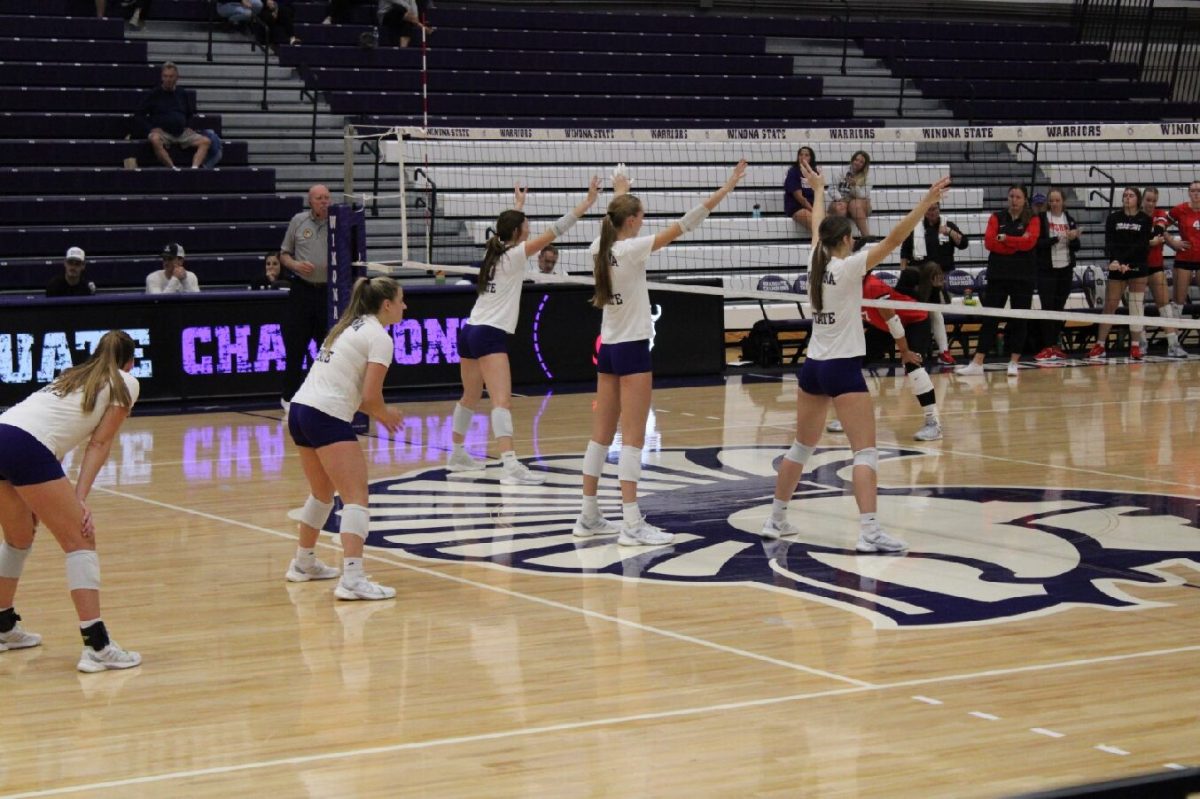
(1058, 353)
(1096, 353)
(944, 357)
(1135, 352)
(1046, 354)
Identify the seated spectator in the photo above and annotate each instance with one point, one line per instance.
(167, 113)
(173, 278)
(239, 12)
(855, 189)
(797, 194)
(278, 17)
(271, 270)
(547, 261)
(72, 282)
(400, 21)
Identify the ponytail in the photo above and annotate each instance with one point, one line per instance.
(101, 370)
(620, 209)
(831, 233)
(508, 225)
(368, 297)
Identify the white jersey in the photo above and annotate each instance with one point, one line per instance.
(838, 328)
(627, 315)
(500, 303)
(59, 422)
(334, 383)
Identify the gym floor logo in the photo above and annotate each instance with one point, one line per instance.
(978, 554)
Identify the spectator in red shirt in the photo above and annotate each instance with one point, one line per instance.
(1160, 220)
(1186, 217)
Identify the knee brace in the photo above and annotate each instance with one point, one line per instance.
(315, 512)
(629, 465)
(919, 382)
(593, 459)
(356, 520)
(1137, 307)
(502, 422)
(869, 457)
(83, 570)
(12, 561)
(462, 419)
(798, 453)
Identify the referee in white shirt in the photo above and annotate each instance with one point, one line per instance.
(305, 254)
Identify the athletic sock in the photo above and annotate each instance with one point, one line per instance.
(591, 507)
(630, 513)
(305, 557)
(779, 509)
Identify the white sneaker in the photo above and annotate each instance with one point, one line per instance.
(643, 534)
(931, 431)
(462, 461)
(16, 638)
(835, 426)
(969, 369)
(876, 540)
(1176, 351)
(777, 529)
(287, 407)
(520, 475)
(316, 571)
(110, 657)
(363, 589)
(587, 528)
(1013, 369)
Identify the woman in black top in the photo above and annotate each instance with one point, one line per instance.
(1127, 236)
(1056, 248)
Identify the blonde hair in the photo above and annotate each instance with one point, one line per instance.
(620, 209)
(369, 295)
(831, 233)
(859, 178)
(102, 370)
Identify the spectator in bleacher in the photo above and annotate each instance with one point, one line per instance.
(855, 188)
(1127, 234)
(279, 19)
(1038, 201)
(1186, 217)
(1056, 248)
(1011, 237)
(166, 114)
(73, 281)
(305, 254)
(173, 278)
(1155, 264)
(797, 194)
(270, 278)
(934, 241)
(400, 21)
(239, 12)
(547, 261)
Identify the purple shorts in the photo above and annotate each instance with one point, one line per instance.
(312, 428)
(476, 341)
(25, 461)
(832, 378)
(626, 358)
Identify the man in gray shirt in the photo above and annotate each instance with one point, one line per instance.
(305, 254)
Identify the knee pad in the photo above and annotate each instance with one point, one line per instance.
(919, 382)
(12, 561)
(315, 512)
(798, 453)
(629, 465)
(83, 570)
(502, 422)
(356, 520)
(462, 419)
(1137, 307)
(869, 457)
(593, 459)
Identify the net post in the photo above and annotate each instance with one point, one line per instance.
(348, 160)
(401, 138)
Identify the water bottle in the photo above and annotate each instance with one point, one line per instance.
(756, 212)
(969, 297)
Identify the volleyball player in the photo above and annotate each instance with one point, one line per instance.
(347, 376)
(833, 368)
(89, 401)
(1127, 234)
(1160, 220)
(1187, 247)
(483, 340)
(623, 370)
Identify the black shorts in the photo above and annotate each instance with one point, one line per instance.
(1132, 274)
(880, 343)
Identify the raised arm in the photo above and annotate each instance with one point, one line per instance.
(692, 219)
(900, 232)
(566, 222)
(817, 182)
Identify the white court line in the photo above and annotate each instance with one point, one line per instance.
(928, 700)
(979, 714)
(1112, 750)
(519, 595)
(1046, 732)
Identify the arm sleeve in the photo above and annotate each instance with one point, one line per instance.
(381, 349)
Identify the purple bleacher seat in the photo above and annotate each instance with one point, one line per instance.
(984, 50)
(18, 181)
(595, 42)
(1039, 89)
(81, 51)
(93, 152)
(51, 242)
(40, 124)
(1049, 111)
(141, 76)
(70, 101)
(14, 21)
(1011, 70)
(170, 209)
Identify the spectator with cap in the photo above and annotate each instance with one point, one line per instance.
(72, 282)
(173, 278)
(1038, 201)
(166, 115)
